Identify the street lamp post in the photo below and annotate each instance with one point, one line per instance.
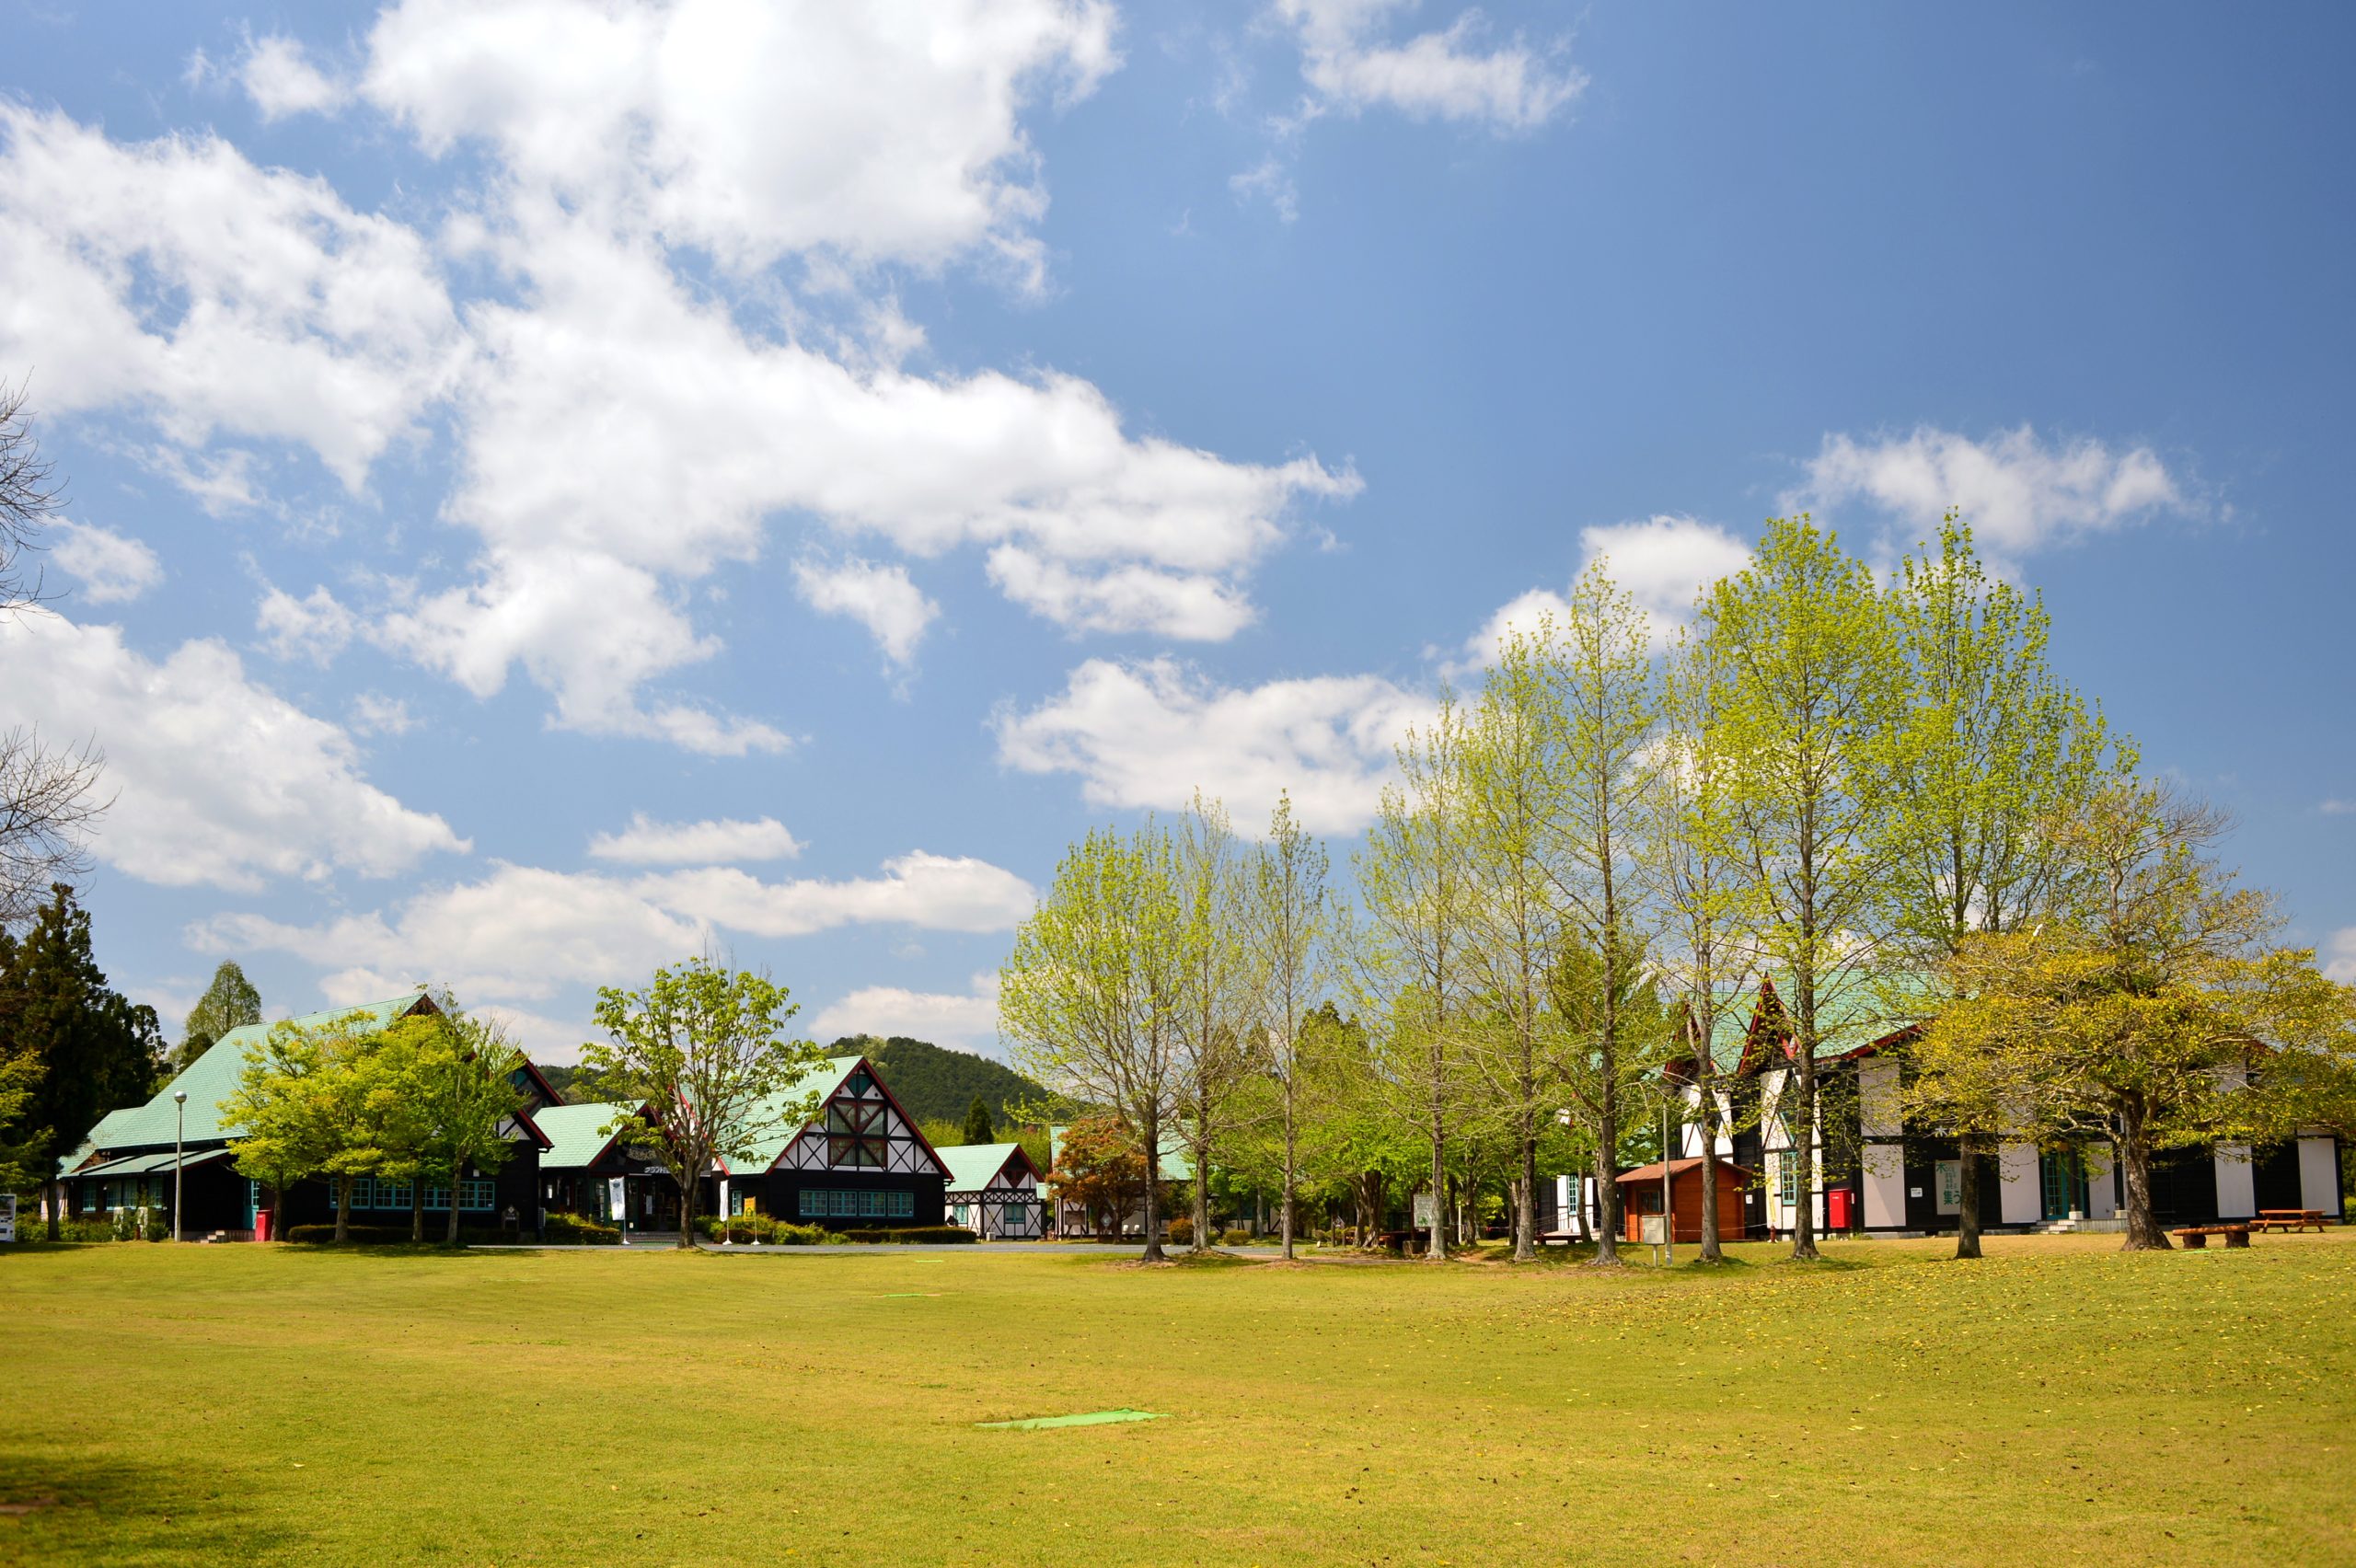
(180, 1137)
(1668, 1223)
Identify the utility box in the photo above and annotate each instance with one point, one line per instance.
(1836, 1209)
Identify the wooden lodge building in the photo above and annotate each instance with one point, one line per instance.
(127, 1160)
(1874, 1175)
(859, 1163)
(995, 1192)
(1639, 1197)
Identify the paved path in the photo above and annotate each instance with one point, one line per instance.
(656, 1241)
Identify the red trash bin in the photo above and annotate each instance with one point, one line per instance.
(1837, 1208)
(261, 1225)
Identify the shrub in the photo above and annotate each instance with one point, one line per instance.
(1182, 1231)
(1235, 1236)
(912, 1235)
(577, 1230)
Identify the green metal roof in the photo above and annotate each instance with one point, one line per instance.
(574, 1135)
(146, 1164)
(209, 1080)
(823, 1079)
(971, 1166)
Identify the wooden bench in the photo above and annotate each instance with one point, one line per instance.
(2196, 1237)
(2288, 1219)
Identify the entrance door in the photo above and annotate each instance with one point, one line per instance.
(2063, 1179)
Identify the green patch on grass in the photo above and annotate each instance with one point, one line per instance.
(1092, 1418)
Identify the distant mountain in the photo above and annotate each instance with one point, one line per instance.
(935, 1084)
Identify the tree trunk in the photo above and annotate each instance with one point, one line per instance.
(690, 1194)
(1712, 1252)
(1525, 1206)
(343, 1209)
(1607, 1177)
(1966, 1219)
(1291, 1154)
(1801, 1129)
(2143, 1232)
(56, 1193)
(1153, 1193)
(1202, 1197)
(417, 1208)
(450, 1234)
(1436, 1247)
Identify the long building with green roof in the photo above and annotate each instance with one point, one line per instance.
(130, 1158)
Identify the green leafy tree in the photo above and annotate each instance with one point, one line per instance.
(1287, 916)
(229, 1002)
(1092, 995)
(1608, 698)
(20, 1142)
(1998, 750)
(1520, 875)
(1410, 974)
(302, 1108)
(1691, 857)
(705, 1051)
(1812, 723)
(1218, 993)
(93, 1050)
(978, 1129)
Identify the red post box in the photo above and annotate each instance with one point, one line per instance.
(1836, 1204)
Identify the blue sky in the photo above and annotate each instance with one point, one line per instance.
(551, 483)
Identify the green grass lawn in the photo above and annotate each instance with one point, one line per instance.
(2057, 1402)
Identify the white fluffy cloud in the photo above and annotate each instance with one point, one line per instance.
(523, 932)
(715, 842)
(2340, 955)
(1348, 58)
(966, 1020)
(216, 780)
(174, 278)
(2020, 493)
(1148, 734)
(277, 73)
(112, 567)
(1191, 605)
(881, 599)
(315, 628)
(757, 131)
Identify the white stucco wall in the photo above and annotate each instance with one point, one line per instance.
(2099, 1182)
(2236, 1182)
(2319, 1176)
(1885, 1194)
(2022, 1203)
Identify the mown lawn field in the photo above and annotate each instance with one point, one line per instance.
(2057, 1402)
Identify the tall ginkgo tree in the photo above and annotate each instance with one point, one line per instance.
(1998, 751)
(1287, 916)
(1089, 998)
(1811, 720)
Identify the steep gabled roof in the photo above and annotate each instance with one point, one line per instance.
(211, 1079)
(575, 1141)
(973, 1167)
(825, 1079)
(1874, 1019)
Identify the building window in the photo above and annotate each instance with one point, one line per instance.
(477, 1194)
(857, 1137)
(821, 1203)
(1788, 1179)
(394, 1194)
(437, 1198)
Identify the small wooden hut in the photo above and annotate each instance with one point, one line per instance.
(1640, 1194)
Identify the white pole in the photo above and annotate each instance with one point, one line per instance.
(723, 1210)
(180, 1136)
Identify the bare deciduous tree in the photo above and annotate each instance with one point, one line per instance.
(48, 801)
(30, 491)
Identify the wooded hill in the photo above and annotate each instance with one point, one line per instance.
(935, 1084)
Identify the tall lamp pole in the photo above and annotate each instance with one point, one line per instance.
(1668, 1216)
(180, 1137)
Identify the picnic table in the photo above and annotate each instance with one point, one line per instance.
(2196, 1237)
(2288, 1219)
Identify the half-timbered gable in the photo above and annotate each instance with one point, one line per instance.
(861, 1162)
(993, 1192)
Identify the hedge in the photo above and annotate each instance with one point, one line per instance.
(390, 1235)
